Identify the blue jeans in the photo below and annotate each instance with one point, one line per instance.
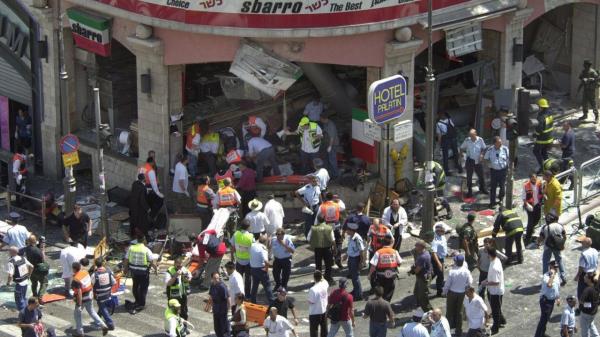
(103, 311)
(259, 275)
(20, 297)
(332, 162)
(335, 326)
(588, 328)
(377, 329)
(353, 271)
(192, 165)
(548, 252)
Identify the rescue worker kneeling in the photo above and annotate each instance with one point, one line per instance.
(175, 326)
(385, 265)
(557, 166)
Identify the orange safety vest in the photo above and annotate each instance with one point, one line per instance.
(23, 160)
(146, 171)
(233, 157)
(529, 191)
(379, 233)
(202, 198)
(387, 261)
(330, 211)
(227, 197)
(192, 131)
(220, 178)
(85, 281)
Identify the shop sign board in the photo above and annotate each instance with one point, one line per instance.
(90, 31)
(464, 40)
(372, 130)
(70, 159)
(387, 99)
(403, 131)
(69, 143)
(279, 14)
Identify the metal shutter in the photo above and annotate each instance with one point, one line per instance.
(12, 85)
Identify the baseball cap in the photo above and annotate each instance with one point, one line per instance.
(418, 313)
(174, 303)
(459, 258)
(304, 121)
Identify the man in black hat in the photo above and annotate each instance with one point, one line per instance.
(589, 82)
(138, 206)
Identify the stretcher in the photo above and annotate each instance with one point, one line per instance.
(282, 183)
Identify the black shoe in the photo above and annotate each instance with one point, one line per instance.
(104, 331)
(563, 283)
(494, 331)
(491, 205)
(339, 264)
(577, 312)
(449, 215)
(582, 118)
(484, 192)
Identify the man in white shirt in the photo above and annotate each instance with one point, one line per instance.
(258, 220)
(588, 263)
(495, 285)
(321, 173)
(317, 305)
(275, 214)
(415, 328)
(310, 195)
(19, 271)
(477, 313)
(459, 278)
(254, 126)
(180, 180)
(314, 109)
(474, 147)
(236, 283)
(17, 234)
(72, 253)
(278, 326)
(259, 268)
(262, 152)
(310, 141)
(440, 326)
(395, 217)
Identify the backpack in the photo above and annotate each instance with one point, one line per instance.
(554, 240)
(213, 244)
(335, 310)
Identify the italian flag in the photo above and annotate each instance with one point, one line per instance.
(362, 146)
(90, 31)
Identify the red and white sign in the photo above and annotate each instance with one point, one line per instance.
(279, 14)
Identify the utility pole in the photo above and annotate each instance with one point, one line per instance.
(513, 137)
(427, 219)
(69, 183)
(100, 152)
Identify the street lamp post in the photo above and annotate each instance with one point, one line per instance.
(69, 182)
(101, 178)
(427, 219)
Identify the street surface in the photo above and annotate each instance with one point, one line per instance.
(520, 307)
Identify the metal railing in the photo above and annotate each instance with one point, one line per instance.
(9, 205)
(588, 182)
(570, 196)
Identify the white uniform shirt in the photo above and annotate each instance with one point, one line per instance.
(274, 211)
(281, 327)
(16, 166)
(414, 329)
(441, 328)
(10, 269)
(195, 145)
(311, 194)
(181, 173)
(496, 274)
(154, 183)
(317, 298)
(402, 218)
(16, 236)
(259, 123)
(236, 286)
(258, 221)
(209, 146)
(458, 279)
(323, 176)
(313, 110)
(68, 255)
(257, 144)
(475, 310)
(473, 149)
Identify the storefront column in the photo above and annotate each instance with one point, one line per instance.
(585, 43)
(51, 118)
(399, 59)
(154, 108)
(510, 72)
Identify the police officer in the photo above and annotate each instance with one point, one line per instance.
(512, 226)
(204, 201)
(497, 156)
(356, 247)
(241, 242)
(178, 280)
(138, 259)
(543, 132)
(330, 211)
(446, 134)
(589, 82)
(103, 281)
(310, 194)
(385, 264)
(467, 238)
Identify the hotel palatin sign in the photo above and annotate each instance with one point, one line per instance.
(279, 14)
(90, 31)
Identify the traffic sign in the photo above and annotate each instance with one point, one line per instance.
(69, 143)
(70, 159)
(387, 99)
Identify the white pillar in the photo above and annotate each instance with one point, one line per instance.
(511, 72)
